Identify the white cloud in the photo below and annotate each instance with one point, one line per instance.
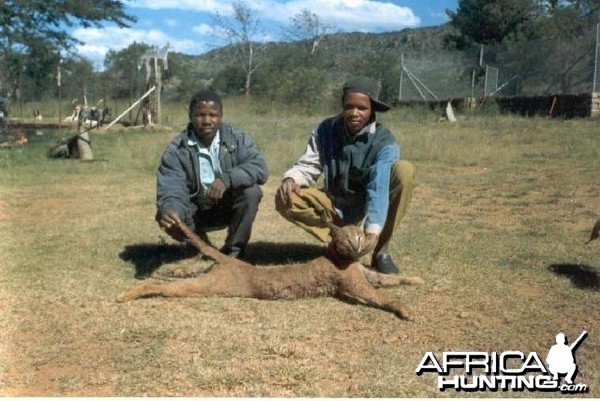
(172, 22)
(97, 42)
(210, 6)
(342, 15)
(346, 15)
(207, 30)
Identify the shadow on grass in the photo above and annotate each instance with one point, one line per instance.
(147, 258)
(582, 276)
(269, 253)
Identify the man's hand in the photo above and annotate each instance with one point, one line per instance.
(216, 191)
(168, 222)
(287, 187)
(168, 219)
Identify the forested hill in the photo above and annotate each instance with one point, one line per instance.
(287, 69)
(288, 72)
(345, 47)
(507, 48)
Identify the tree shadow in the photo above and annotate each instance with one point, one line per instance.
(582, 276)
(147, 258)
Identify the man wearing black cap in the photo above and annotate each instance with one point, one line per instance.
(363, 175)
(209, 176)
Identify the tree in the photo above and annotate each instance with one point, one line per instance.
(307, 26)
(241, 32)
(488, 21)
(287, 77)
(124, 70)
(27, 26)
(554, 50)
(77, 77)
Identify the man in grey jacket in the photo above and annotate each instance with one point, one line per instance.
(210, 176)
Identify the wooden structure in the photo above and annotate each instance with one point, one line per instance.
(154, 78)
(595, 106)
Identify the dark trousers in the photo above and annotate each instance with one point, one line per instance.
(236, 211)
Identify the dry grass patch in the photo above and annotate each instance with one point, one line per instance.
(500, 206)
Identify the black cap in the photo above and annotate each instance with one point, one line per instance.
(366, 86)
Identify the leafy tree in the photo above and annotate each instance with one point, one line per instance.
(77, 75)
(187, 74)
(230, 80)
(553, 52)
(27, 26)
(290, 78)
(124, 71)
(488, 21)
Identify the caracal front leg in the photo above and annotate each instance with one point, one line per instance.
(380, 280)
(355, 286)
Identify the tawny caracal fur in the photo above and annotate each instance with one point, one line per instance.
(337, 274)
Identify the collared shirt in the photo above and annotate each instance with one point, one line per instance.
(208, 164)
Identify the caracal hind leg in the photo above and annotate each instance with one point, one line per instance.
(356, 287)
(193, 287)
(380, 280)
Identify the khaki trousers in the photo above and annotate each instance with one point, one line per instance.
(311, 202)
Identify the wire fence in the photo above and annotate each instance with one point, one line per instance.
(567, 65)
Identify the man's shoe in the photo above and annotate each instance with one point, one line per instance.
(383, 263)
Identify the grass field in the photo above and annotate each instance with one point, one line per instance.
(501, 211)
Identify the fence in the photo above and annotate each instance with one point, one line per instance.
(553, 66)
(562, 106)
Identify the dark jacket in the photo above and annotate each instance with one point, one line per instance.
(356, 170)
(178, 177)
(348, 161)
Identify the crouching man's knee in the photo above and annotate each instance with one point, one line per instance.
(403, 173)
(253, 195)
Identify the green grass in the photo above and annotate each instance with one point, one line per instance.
(500, 202)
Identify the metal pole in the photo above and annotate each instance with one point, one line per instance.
(485, 82)
(596, 58)
(58, 82)
(481, 56)
(401, 77)
(158, 90)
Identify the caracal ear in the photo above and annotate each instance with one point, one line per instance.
(361, 223)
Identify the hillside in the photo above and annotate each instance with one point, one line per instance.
(548, 66)
(341, 54)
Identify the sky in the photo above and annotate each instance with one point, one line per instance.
(188, 26)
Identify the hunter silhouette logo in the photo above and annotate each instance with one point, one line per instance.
(560, 358)
(507, 371)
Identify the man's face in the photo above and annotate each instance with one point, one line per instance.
(356, 111)
(206, 119)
